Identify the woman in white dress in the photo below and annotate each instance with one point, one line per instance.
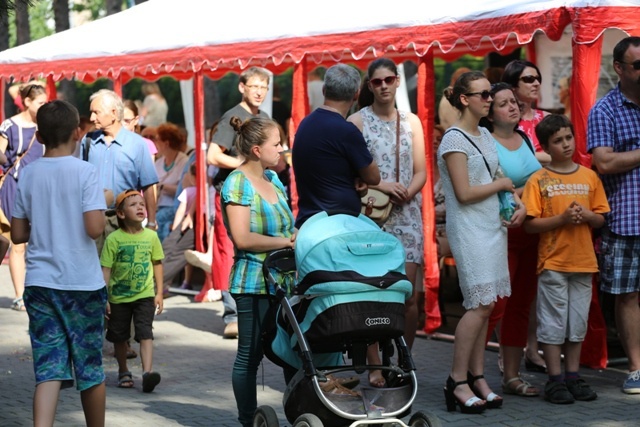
(378, 122)
(468, 160)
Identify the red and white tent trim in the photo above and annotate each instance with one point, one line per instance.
(193, 38)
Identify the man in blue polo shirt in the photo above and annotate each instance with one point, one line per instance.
(613, 137)
(121, 157)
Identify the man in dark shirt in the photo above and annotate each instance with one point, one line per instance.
(330, 157)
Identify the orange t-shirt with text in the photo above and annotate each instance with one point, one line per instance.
(548, 193)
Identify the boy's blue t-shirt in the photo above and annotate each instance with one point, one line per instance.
(53, 194)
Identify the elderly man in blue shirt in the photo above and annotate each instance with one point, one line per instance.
(121, 157)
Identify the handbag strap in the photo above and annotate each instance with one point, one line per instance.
(17, 162)
(474, 146)
(397, 146)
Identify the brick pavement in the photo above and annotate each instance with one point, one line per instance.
(195, 364)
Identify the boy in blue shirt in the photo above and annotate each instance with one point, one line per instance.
(59, 211)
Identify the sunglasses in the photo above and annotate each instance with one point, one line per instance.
(634, 64)
(485, 94)
(531, 79)
(388, 80)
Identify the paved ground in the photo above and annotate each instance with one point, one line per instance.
(195, 364)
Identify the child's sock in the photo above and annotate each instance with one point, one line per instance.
(556, 378)
(571, 376)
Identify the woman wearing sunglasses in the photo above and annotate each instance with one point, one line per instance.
(19, 147)
(402, 177)
(525, 78)
(518, 162)
(468, 161)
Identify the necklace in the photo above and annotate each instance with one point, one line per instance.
(167, 168)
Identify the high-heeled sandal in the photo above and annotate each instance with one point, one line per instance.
(468, 407)
(493, 400)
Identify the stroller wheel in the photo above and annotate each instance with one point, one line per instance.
(265, 416)
(308, 420)
(424, 419)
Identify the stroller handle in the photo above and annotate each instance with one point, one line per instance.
(280, 259)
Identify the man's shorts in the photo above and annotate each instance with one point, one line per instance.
(66, 328)
(619, 263)
(141, 311)
(563, 306)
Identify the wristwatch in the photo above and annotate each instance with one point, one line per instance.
(152, 225)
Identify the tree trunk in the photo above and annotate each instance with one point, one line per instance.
(23, 32)
(113, 6)
(9, 107)
(66, 88)
(211, 102)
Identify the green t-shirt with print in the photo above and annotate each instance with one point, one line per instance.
(131, 258)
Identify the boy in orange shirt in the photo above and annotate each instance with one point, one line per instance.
(564, 202)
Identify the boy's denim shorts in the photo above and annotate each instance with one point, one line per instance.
(66, 330)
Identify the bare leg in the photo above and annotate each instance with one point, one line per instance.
(4, 247)
(476, 362)
(45, 403)
(628, 324)
(93, 404)
(120, 350)
(411, 306)
(373, 358)
(468, 347)
(532, 338)
(17, 268)
(146, 355)
(552, 357)
(188, 273)
(572, 356)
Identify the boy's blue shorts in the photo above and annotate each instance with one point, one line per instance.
(66, 328)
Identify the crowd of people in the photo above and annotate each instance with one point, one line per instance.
(129, 203)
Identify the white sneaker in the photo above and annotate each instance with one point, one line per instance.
(199, 259)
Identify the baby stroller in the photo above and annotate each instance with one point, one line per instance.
(350, 292)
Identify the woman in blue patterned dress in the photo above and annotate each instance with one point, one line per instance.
(378, 121)
(17, 141)
(258, 219)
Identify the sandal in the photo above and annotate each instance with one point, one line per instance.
(149, 381)
(18, 305)
(493, 400)
(523, 389)
(348, 382)
(125, 380)
(331, 386)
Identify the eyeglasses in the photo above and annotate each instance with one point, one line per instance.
(257, 88)
(634, 64)
(128, 121)
(531, 79)
(388, 80)
(485, 94)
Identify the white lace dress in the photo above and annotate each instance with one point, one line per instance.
(405, 222)
(478, 240)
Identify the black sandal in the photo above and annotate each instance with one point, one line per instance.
(493, 400)
(468, 407)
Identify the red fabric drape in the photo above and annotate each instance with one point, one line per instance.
(50, 88)
(299, 109)
(584, 86)
(426, 114)
(201, 175)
